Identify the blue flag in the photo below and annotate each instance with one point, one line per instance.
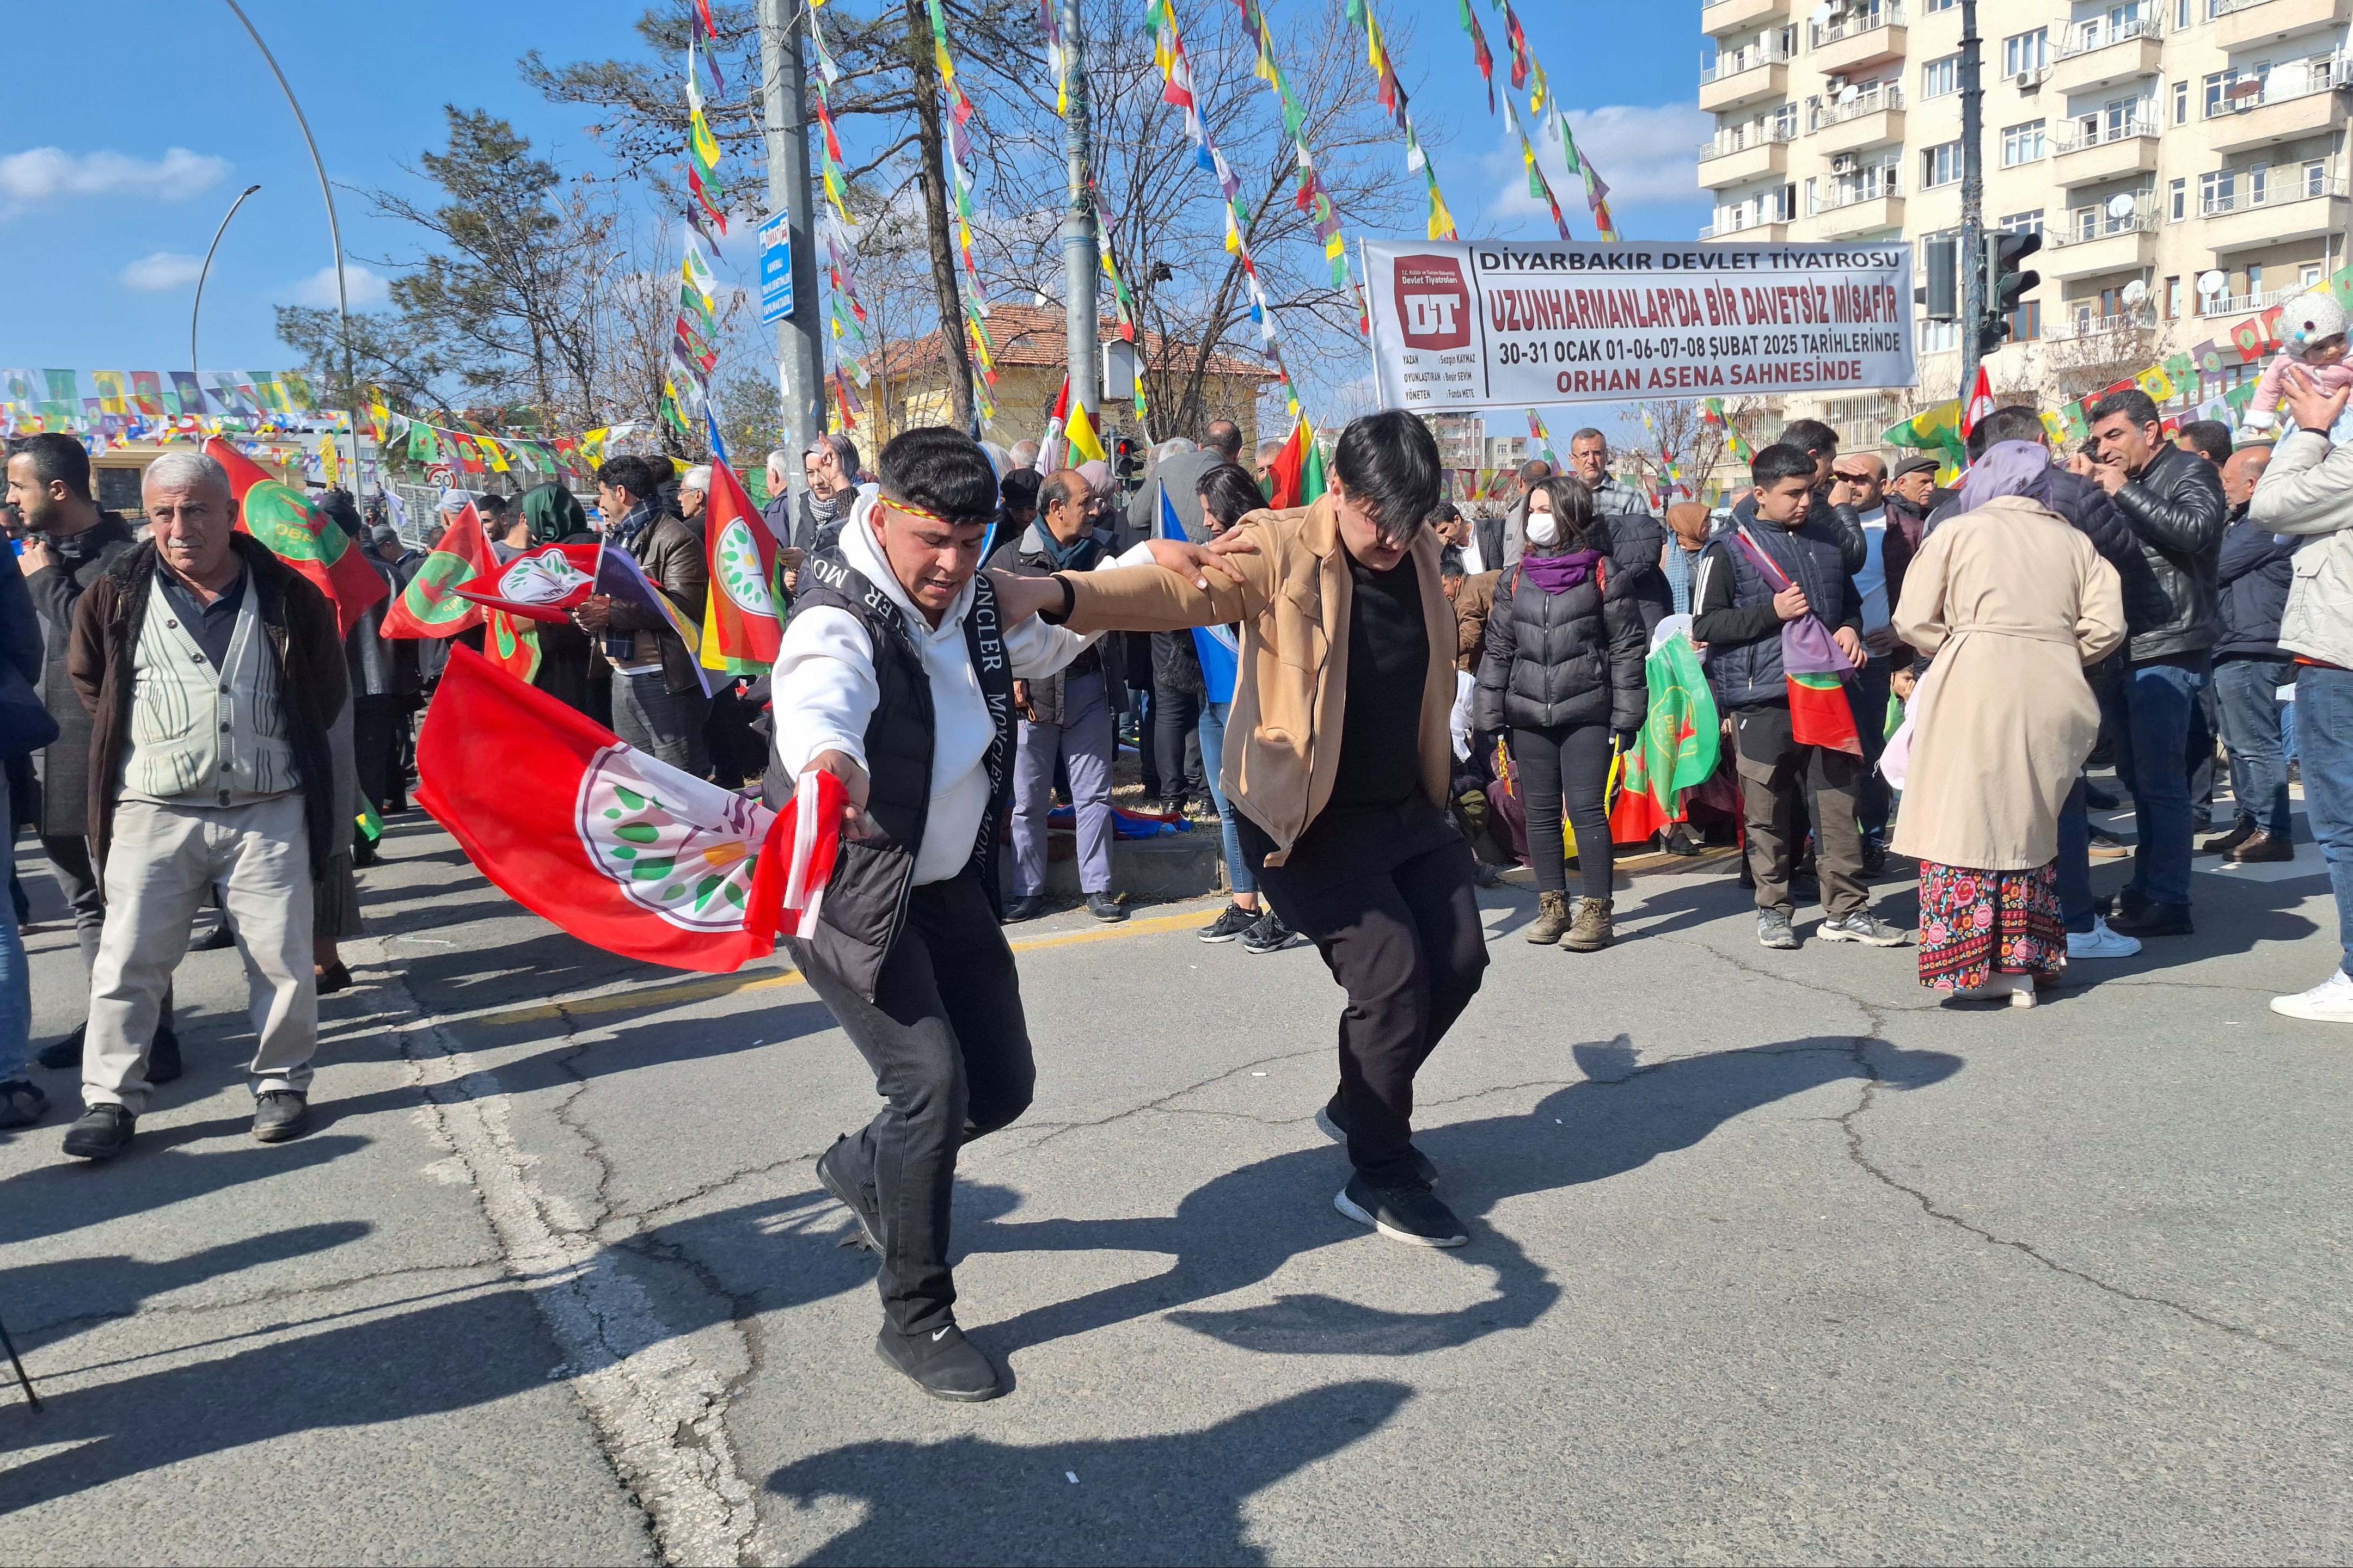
(1221, 656)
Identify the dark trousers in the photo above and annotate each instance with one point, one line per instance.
(1176, 739)
(1407, 946)
(1566, 763)
(1867, 694)
(1776, 775)
(379, 724)
(2246, 691)
(2154, 713)
(950, 1051)
(662, 723)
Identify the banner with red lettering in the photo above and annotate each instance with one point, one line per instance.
(1515, 324)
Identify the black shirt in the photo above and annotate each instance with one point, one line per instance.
(211, 624)
(1389, 665)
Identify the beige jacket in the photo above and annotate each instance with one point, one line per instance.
(2014, 603)
(1282, 736)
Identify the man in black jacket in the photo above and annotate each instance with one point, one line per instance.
(658, 700)
(2173, 501)
(2250, 667)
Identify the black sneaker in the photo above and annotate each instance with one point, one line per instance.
(2098, 799)
(103, 1131)
(1332, 1122)
(1409, 1213)
(164, 1055)
(280, 1114)
(1677, 841)
(942, 1363)
(1269, 935)
(22, 1103)
(2155, 920)
(853, 1198)
(1028, 908)
(1875, 857)
(217, 940)
(1107, 907)
(1231, 922)
(59, 1056)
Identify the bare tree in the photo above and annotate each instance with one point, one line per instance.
(1664, 436)
(2085, 363)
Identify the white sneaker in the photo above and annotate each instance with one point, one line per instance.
(2330, 1002)
(2101, 942)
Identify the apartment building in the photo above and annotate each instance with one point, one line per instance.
(2184, 161)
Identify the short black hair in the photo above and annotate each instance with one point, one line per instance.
(1444, 512)
(58, 456)
(2210, 436)
(1018, 490)
(1389, 463)
(492, 502)
(2016, 422)
(1449, 562)
(940, 471)
(1225, 439)
(2132, 403)
(1229, 493)
(1811, 436)
(1062, 488)
(1780, 461)
(631, 473)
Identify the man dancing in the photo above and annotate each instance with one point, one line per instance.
(896, 676)
(1338, 757)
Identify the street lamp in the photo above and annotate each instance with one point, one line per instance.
(198, 308)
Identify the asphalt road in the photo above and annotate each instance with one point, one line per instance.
(1774, 1259)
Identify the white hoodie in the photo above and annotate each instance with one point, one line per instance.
(825, 691)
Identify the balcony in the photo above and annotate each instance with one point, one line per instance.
(1860, 208)
(2241, 24)
(2084, 154)
(1735, 157)
(1752, 76)
(2101, 56)
(2088, 243)
(1748, 231)
(2288, 209)
(2294, 100)
(2079, 323)
(1721, 18)
(1872, 117)
(2212, 305)
(1862, 38)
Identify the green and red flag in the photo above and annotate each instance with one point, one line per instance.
(741, 628)
(431, 606)
(1681, 736)
(1297, 475)
(300, 535)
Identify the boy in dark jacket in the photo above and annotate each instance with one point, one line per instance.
(2250, 667)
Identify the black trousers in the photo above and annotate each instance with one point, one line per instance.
(1407, 946)
(1567, 762)
(950, 1051)
(1176, 739)
(378, 728)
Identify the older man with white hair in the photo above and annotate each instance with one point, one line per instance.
(212, 672)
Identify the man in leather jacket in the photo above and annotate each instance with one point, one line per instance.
(2172, 500)
(659, 703)
(1834, 521)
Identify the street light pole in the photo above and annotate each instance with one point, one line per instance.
(205, 271)
(1972, 258)
(801, 353)
(1081, 260)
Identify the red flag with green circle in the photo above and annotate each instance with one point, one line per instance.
(742, 628)
(431, 606)
(300, 535)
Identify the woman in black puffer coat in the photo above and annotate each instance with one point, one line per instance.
(1563, 671)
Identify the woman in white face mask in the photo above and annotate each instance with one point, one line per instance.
(1563, 671)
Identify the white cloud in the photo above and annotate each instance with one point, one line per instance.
(318, 290)
(164, 270)
(44, 174)
(1646, 154)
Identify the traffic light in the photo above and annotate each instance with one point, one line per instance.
(1941, 299)
(2005, 284)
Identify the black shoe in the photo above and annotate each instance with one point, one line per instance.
(1231, 922)
(1410, 1214)
(1677, 841)
(60, 1054)
(2223, 844)
(216, 940)
(1875, 857)
(164, 1055)
(335, 977)
(1269, 935)
(1107, 907)
(2098, 799)
(280, 1114)
(853, 1198)
(1028, 908)
(2130, 903)
(942, 1363)
(2155, 920)
(103, 1131)
(1332, 1121)
(22, 1103)
(1488, 876)
(364, 855)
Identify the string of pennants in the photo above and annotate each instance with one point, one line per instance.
(694, 335)
(1528, 76)
(837, 230)
(960, 159)
(37, 400)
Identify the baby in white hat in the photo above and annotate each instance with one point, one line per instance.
(2313, 332)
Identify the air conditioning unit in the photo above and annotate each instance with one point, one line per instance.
(1842, 163)
(2028, 80)
(1835, 86)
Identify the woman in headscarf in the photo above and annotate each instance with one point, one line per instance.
(2013, 603)
(555, 517)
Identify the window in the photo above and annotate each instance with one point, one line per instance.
(2181, 101)
(2026, 51)
(2022, 223)
(2022, 143)
(2310, 277)
(1940, 165)
(2122, 118)
(1933, 6)
(2173, 298)
(2179, 200)
(1939, 77)
(2259, 184)
(1813, 206)
(1938, 337)
(2216, 84)
(2316, 178)
(2181, 16)
(2215, 191)
(2256, 281)
(2026, 322)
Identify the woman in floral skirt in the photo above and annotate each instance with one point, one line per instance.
(2013, 603)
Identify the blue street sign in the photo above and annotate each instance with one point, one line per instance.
(775, 270)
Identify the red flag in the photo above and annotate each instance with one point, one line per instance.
(623, 851)
(431, 606)
(741, 629)
(300, 535)
(1979, 405)
(1296, 475)
(545, 583)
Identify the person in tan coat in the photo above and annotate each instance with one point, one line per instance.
(1338, 757)
(2012, 603)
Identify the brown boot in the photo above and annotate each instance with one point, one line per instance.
(1552, 918)
(2259, 847)
(1591, 932)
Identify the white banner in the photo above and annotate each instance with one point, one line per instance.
(1512, 324)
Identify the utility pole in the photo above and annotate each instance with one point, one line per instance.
(1972, 256)
(800, 351)
(1081, 262)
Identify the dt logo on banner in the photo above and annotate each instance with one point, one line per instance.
(1433, 303)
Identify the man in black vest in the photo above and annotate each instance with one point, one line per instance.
(896, 676)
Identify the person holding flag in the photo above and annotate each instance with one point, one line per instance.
(1777, 609)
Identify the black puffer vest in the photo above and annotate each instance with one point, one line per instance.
(866, 901)
(1752, 672)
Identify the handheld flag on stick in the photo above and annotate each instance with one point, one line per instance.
(619, 576)
(741, 629)
(1080, 433)
(546, 583)
(433, 605)
(1220, 653)
(300, 535)
(1297, 472)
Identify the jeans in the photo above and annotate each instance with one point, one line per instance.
(2076, 910)
(2325, 696)
(2247, 691)
(16, 977)
(1567, 766)
(1082, 743)
(1867, 694)
(1239, 872)
(2157, 711)
(664, 726)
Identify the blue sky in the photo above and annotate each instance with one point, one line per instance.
(106, 199)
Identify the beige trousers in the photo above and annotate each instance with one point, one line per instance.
(158, 869)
